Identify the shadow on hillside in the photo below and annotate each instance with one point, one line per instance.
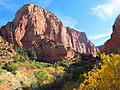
(72, 74)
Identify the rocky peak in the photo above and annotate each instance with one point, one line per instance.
(32, 11)
(113, 44)
(38, 28)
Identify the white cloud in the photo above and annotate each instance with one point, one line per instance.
(108, 10)
(42, 3)
(100, 36)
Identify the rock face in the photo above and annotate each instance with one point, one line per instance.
(100, 47)
(113, 44)
(35, 27)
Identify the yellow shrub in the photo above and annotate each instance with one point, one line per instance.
(60, 70)
(106, 76)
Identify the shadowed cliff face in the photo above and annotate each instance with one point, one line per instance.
(113, 44)
(35, 27)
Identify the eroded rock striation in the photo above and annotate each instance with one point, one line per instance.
(38, 28)
(113, 44)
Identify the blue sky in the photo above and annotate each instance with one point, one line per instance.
(94, 17)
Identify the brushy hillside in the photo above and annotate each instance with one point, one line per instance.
(19, 70)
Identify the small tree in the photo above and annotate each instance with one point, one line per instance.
(33, 55)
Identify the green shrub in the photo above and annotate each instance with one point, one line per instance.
(34, 64)
(40, 64)
(1, 81)
(1, 64)
(11, 67)
(45, 64)
(5, 53)
(21, 58)
(41, 76)
(63, 63)
(26, 64)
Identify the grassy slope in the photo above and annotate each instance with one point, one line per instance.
(21, 73)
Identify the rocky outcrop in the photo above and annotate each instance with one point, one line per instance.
(35, 27)
(5, 49)
(113, 44)
(100, 47)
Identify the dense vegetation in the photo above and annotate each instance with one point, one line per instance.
(105, 76)
(22, 72)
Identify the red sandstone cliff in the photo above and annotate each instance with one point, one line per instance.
(113, 44)
(35, 27)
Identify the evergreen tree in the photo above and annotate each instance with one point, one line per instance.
(33, 55)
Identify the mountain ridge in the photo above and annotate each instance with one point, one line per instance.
(38, 28)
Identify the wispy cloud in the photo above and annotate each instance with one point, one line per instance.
(100, 36)
(107, 10)
(42, 3)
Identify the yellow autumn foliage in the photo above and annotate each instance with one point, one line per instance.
(105, 76)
